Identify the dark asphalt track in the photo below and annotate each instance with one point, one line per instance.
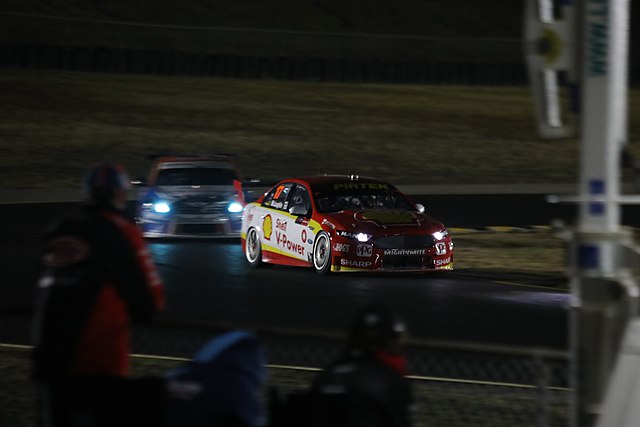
(210, 288)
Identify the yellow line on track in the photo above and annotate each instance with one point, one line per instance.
(524, 285)
(312, 369)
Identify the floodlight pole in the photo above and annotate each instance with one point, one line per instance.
(603, 291)
(590, 44)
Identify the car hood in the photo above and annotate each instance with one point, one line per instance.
(174, 192)
(377, 221)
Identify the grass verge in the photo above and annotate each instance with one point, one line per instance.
(56, 124)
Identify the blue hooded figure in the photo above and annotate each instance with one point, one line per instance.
(221, 386)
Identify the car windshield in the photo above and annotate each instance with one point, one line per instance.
(195, 176)
(364, 196)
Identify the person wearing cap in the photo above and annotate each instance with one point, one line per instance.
(366, 385)
(96, 277)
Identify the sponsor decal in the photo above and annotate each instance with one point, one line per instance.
(404, 251)
(276, 205)
(360, 186)
(364, 250)
(282, 240)
(441, 262)
(355, 263)
(303, 221)
(598, 37)
(250, 212)
(382, 217)
(328, 224)
(342, 247)
(303, 235)
(267, 227)
(281, 225)
(441, 248)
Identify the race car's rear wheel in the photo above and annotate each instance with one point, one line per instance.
(322, 253)
(253, 248)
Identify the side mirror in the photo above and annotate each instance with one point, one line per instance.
(298, 210)
(420, 207)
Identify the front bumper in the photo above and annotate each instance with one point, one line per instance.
(190, 226)
(359, 257)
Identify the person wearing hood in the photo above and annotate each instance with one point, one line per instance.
(220, 386)
(366, 385)
(96, 278)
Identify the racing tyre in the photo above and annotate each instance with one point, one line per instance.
(253, 248)
(322, 253)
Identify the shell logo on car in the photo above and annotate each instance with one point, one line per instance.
(267, 227)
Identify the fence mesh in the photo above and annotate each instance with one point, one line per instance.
(468, 385)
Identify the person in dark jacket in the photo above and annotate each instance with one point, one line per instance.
(220, 386)
(366, 385)
(97, 276)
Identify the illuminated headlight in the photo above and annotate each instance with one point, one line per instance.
(161, 207)
(439, 235)
(360, 237)
(363, 237)
(234, 207)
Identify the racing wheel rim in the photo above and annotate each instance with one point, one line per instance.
(322, 252)
(252, 250)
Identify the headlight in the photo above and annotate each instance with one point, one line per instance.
(234, 207)
(360, 237)
(439, 235)
(363, 237)
(161, 207)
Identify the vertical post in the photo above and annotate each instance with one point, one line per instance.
(604, 69)
(601, 305)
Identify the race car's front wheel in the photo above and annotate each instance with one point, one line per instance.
(322, 253)
(253, 248)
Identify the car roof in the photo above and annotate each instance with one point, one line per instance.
(334, 179)
(193, 158)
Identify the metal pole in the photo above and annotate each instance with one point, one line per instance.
(601, 303)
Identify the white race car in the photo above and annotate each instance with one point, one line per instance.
(191, 196)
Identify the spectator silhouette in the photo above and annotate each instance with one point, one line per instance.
(364, 387)
(221, 386)
(96, 277)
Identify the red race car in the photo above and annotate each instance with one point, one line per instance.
(343, 224)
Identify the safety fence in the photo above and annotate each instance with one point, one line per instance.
(454, 384)
(63, 43)
(174, 63)
(524, 390)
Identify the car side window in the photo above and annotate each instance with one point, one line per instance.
(277, 197)
(300, 198)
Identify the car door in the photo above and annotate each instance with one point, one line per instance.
(274, 220)
(299, 237)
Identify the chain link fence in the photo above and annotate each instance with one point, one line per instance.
(42, 29)
(455, 384)
(49, 42)
(46, 42)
